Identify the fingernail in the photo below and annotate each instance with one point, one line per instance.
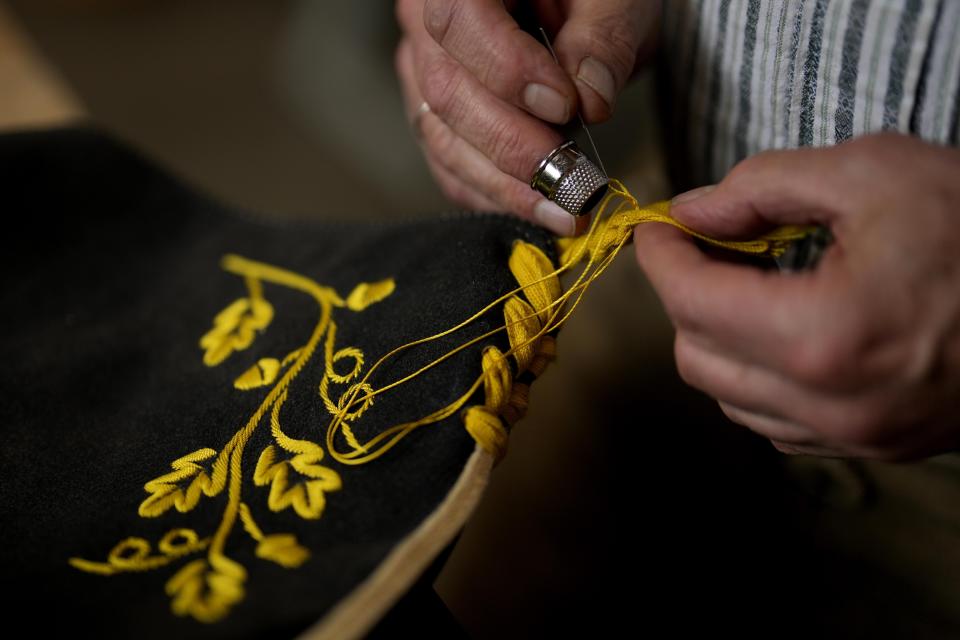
(599, 78)
(693, 194)
(549, 215)
(546, 104)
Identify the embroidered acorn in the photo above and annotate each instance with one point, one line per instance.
(264, 372)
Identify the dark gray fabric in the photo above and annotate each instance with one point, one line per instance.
(107, 287)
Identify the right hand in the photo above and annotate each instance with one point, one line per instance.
(493, 90)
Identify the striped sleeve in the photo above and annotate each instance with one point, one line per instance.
(750, 75)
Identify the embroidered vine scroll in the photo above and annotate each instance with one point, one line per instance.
(289, 468)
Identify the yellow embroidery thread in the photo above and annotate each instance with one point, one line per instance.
(528, 323)
(208, 588)
(133, 554)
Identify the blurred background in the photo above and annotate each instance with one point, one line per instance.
(627, 501)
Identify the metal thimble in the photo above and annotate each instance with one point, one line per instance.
(567, 177)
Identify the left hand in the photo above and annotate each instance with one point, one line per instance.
(482, 94)
(859, 357)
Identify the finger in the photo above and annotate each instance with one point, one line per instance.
(746, 388)
(800, 186)
(805, 450)
(793, 325)
(414, 104)
(461, 159)
(459, 192)
(770, 427)
(485, 39)
(600, 45)
(781, 409)
(466, 175)
(452, 185)
(514, 141)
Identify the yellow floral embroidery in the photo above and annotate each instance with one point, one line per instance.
(308, 497)
(259, 375)
(281, 548)
(234, 327)
(165, 491)
(133, 554)
(366, 293)
(207, 588)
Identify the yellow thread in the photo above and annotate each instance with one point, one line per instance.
(206, 589)
(249, 525)
(526, 259)
(521, 320)
(281, 548)
(234, 327)
(529, 265)
(527, 323)
(209, 594)
(625, 218)
(133, 554)
(343, 405)
(259, 375)
(486, 428)
(307, 498)
(366, 293)
(178, 541)
(165, 491)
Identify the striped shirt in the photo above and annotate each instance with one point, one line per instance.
(742, 76)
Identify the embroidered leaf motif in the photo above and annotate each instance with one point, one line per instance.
(165, 491)
(207, 589)
(205, 593)
(234, 327)
(308, 497)
(283, 549)
(259, 375)
(368, 293)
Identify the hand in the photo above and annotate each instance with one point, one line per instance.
(492, 89)
(859, 357)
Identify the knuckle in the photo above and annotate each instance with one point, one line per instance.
(617, 41)
(876, 152)
(830, 354)
(486, 52)
(507, 148)
(438, 16)
(818, 362)
(744, 173)
(501, 71)
(442, 85)
(743, 170)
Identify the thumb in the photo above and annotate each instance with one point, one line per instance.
(801, 186)
(600, 45)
